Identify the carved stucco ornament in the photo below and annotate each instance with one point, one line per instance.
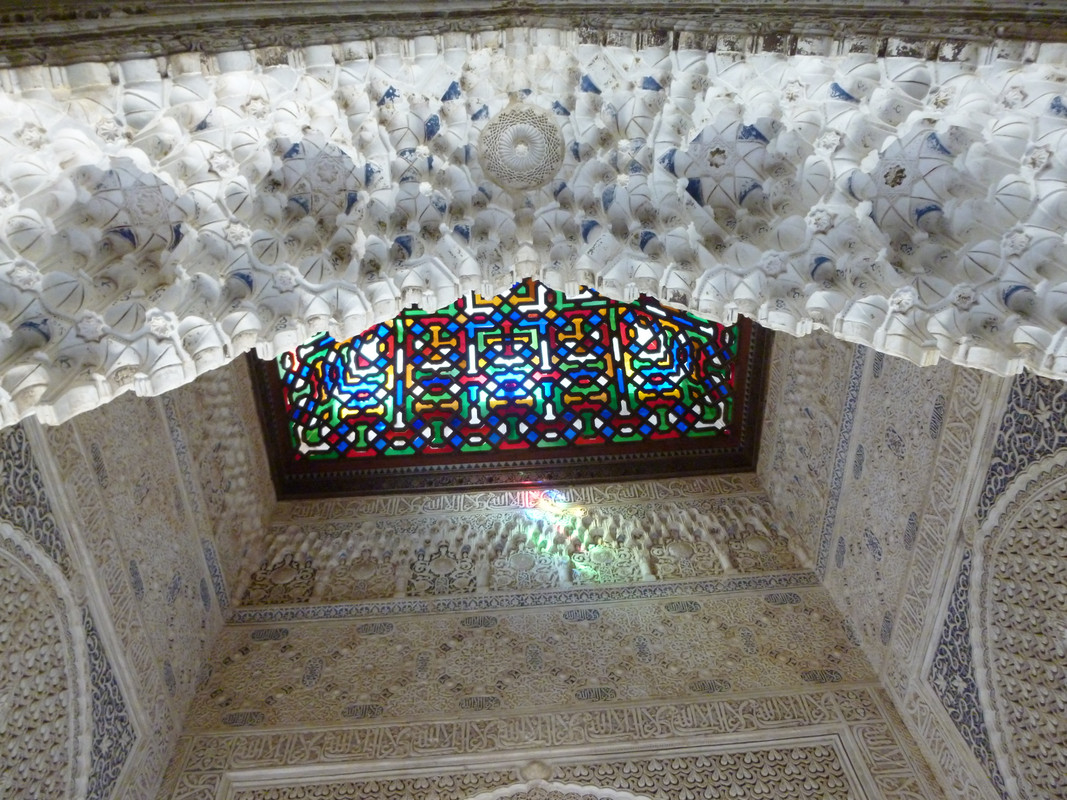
(45, 725)
(158, 218)
(521, 147)
(1020, 600)
(540, 789)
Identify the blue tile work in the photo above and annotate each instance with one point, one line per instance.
(113, 734)
(848, 417)
(952, 677)
(24, 503)
(1032, 427)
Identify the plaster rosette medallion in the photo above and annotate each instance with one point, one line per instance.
(521, 147)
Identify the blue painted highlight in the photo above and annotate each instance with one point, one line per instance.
(586, 85)
(433, 126)
(934, 142)
(752, 133)
(453, 92)
(608, 197)
(922, 212)
(837, 92)
(587, 227)
(667, 160)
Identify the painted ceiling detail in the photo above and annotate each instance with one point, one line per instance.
(157, 218)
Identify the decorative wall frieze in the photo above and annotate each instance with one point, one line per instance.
(842, 456)
(880, 759)
(816, 764)
(965, 441)
(887, 509)
(634, 494)
(67, 32)
(541, 539)
(952, 677)
(544, 656)
(968, 424)
(216, 436)
(538, 789)
(941, 744)
(159, 217)
(501, 600)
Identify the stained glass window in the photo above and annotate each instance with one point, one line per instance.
(532, 371)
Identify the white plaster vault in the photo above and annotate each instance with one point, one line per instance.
(158, 217)
(876, 612)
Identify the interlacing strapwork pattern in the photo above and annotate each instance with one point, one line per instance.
(1030, 429)
(157, 218)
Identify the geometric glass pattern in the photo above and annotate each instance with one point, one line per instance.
(531, 370)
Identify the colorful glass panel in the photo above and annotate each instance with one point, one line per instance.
(531, 370)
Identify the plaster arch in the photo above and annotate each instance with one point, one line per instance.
(1019, 600)
(158, 217)
(45, 717)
